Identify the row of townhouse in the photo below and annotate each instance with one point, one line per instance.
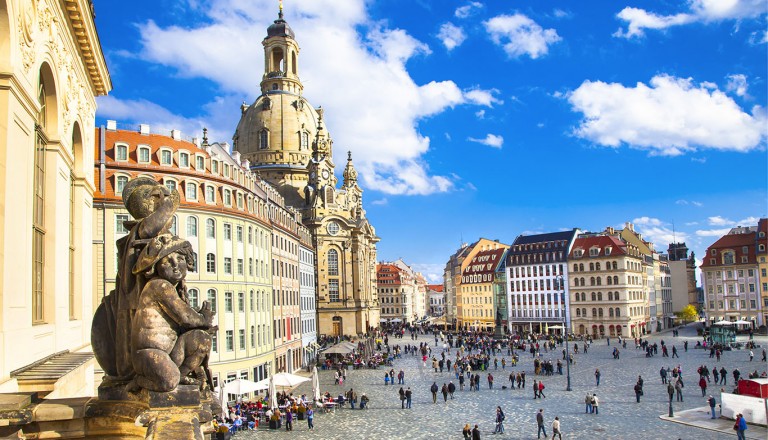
(402, 292)
(255, 258)
(609, 283)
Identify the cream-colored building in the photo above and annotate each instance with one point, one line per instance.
(286, 142)
(224, 214)
(762, 265)
(51, 70)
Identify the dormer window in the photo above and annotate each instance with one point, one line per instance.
(593, 252)
(170, 185)
(728, 257)
(165, 157)
(215, 166)
(227, 197)
(578, 253)
(184, 160)
(191, 191)
(144, 154)
(200, 163)
(121, 152)
(608, 250)
(210, 194)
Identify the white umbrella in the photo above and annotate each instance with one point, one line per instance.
(272, 393)
(316, 384)
(397, 320)
(243, 386)
(220, 391)
(723, 322)
(282, 380)
(556, 327)
(742, 322)
(338, 349)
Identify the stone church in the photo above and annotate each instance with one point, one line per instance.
(285, 139)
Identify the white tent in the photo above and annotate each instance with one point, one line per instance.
(724, 322)
(282, 380)
(742, 322)
(338, 349)
(243, 386)
(397, 320)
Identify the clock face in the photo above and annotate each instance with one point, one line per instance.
(333, 228)
(325, 174)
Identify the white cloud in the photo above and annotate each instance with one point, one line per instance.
(352, 66)
(670, 116)
(431, 271)
(490, 140)
(689, 202)
(719, 221)
(467, 10)
(704, 11)
(722, 221)
(483, 97)
(480, 114)
(658, 232)
(451, 35)
(559, 13)
(712, 232)
(737, 84)
(380, 202)
(519, 35)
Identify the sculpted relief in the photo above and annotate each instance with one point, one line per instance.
(145, 334)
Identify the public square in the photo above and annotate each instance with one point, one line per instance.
(620, 416)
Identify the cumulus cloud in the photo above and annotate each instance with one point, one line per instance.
(351, 65)
(658, 232)
(670, 116)
(689, 202)
(722, 221)
(480, 114)
(737, 84)
(519, 35)
(431, 271)
(712, 232)
(705, 11)
(485, 98)
(380, 202)
(451, 35)
(490, 140)
(467, 10)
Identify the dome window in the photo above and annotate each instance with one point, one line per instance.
(263, 139)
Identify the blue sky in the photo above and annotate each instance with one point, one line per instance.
(491, 119)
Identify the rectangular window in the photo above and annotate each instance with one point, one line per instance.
(227, 265)
(333, 290)
(753, 304)
(230, 340)
(215, 166)
(239, 234)
(38, 229)
(184, 160)
(214, 343)
(239, 266)
(241, 333)
(228, 197)
(241, 302)
(227, 231)
(120, 220)
(250, 300)
(210, 194)
(228, 302)
(121, 152)
(212, 299)
(165, 157)
(170, 185)
(194, 298)
(144, 155)
(200, 163)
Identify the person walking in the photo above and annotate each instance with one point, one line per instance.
(638, 392)
(674, 352)
(444, 390)
(723, 376)
(490, 381)
(475, 433)
(556, 429)
(595, 404)
(588, 404)
(288, 420)
(685, 346)
(402, 398)
(712, 402)
(740, 427)
(703, 386)
(310, 419)
(541, 389)
(467, 432)
(597, 377)
(763, 355)
(751, 355)
(540, 423)
(451, 389)
(663, 374)
(434, 389)
(535, 389)
(670, 391)
(679, 389)
(499, 420)
(408, 398)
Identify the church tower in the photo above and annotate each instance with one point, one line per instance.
(287, 143)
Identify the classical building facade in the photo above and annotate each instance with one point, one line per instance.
(537, 279)
(286, 142)
(51, 70)
(225, 213)
(307, 290)
(608, 297)
(731, 277)
(652, 275)
(474, 290)
(762, 264)
(682, 269)
(436, 298)
(392, 283)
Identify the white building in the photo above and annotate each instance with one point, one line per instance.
(307, 291)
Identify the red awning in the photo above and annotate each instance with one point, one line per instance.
(601, 326)
(632, 325)
(594, 325)
(610, 326)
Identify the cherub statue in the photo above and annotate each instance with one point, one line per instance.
(171, 340)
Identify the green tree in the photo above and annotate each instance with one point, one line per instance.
(688, 314)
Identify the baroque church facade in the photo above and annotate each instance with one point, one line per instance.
(285, 140)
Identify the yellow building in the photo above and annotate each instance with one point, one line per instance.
(285, 140)
(51, 70)
(762, 265)
(225, 213)
(474, 290)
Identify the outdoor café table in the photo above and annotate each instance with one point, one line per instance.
(330, 406)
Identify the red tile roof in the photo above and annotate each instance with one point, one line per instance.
(435, 287)
(584, 244)
(734, 242)
(484, 262)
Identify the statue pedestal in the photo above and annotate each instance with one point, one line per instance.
(498, 332)
(184, 414)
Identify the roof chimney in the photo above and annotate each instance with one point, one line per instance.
(144, 128)
(111, 125)
(176, 134)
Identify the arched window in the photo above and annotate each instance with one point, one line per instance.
(191, 226)
(333, 262)
(614, 265)
(609, 279)
(120, 182)
(594, 312)
(618, 312)
(578, 312)
(575, 267)
(616, 279)
(210, 228)
(591, 281)
(576, 297)
(303, 140)
(581, 267)
(212, 299)
(610, 296)
(210, 263)
(263, 139)
(600, 312)
(591, 266)
(599, 280)
(594, 296)
(584, 312)
(597, 266)
(191, 191)
(583, 296)
(610, 312)
(194, 297)
(599, 296)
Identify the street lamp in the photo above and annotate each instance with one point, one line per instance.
(559, 279)
(671, 413)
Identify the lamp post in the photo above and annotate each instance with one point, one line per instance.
(565, 332)
(671, 413)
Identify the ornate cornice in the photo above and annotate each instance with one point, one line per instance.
(81, 19)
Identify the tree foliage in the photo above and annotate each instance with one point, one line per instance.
(688, 314)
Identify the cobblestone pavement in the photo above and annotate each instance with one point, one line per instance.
(620, 416)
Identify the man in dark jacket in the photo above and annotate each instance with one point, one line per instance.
(475, 433)
(540, 423)
(434, 389)
(451, 389)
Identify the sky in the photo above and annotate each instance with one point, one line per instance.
(492, 119)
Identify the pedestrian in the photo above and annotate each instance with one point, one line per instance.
(685, 346)
(490, 381)
(674, 352)
(723, 376)
(751, 355)
(595, 404)
(499, 420)
(588, 403)
(408, 398)
(535, 389)
(556, 429)
(289, 420)
(541, 389)
(663, 374)
(386, 379)
(540, 423)
(467, 432)
(352, 396)
(763, 355)
(679, 389)
(740, 426)
(597, 376)
(716, 373)
(638, 392)
(475, 433)
(310, 418)
(434, 389)
(736, 374)
(712, 402)
(444, 390)
(451, 389)
(402, 398)
(703, 386)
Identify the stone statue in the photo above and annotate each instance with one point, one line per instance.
(144, 331)
(498, 316)
(170, 339)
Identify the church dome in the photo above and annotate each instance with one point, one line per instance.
(280, 28)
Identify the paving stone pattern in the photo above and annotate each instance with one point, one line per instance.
(620, 416)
